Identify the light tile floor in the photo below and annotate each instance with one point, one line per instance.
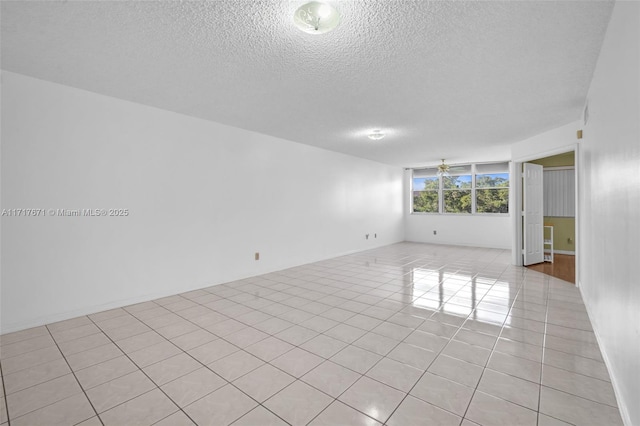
(408, 334)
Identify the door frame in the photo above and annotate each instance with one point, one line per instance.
(516, 219)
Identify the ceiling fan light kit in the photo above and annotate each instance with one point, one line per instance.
(443, 169)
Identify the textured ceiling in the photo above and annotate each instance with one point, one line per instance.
(456, 80)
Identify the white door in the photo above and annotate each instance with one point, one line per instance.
(532, 226)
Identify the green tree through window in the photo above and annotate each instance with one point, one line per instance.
(425, 195)
(492, 193)
(457, 193)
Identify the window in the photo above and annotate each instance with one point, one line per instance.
(426, 185)
(457, 190)
(492, 188)
(468, 189)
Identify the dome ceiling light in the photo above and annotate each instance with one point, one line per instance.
(316, 17)
(376, 135)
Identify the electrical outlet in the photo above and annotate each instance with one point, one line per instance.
(435, 232)
(257, 256)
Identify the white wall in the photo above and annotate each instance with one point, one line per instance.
(551, 142)
(475, 231)
(464, 230)
(610, 205)
(202, 197)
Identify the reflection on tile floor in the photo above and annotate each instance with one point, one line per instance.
(408, 334)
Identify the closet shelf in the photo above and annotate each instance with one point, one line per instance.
(548, 245)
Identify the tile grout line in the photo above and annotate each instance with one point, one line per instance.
(542, 366)
(74, 376)
(183, 351)
(328, 359)
(207, 367)
(322, 357)
(4, 392)
(495, 344)
(147, 376)
(542, 351)
(426, 369)
(361, 374)
(431, 363)
(463, 417)
(351, 285)
(46, 381)
(204, 365)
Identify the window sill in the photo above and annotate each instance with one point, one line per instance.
(461, 214)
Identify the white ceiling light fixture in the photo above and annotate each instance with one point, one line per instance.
(443, 169)
(316, 17)
(376, 135)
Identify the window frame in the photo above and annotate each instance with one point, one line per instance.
(437, 191)
(473, 172)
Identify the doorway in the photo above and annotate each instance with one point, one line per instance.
(559, 216)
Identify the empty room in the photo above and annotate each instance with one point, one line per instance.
(333, 212)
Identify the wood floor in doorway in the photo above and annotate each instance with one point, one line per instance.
(563, 267)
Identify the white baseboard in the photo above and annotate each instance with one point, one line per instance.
(624, 412)
(61, 316)
(460, 244)
(569, 252)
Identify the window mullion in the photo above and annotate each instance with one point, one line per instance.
(440, 198)
(473, 189)
(411, 205)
